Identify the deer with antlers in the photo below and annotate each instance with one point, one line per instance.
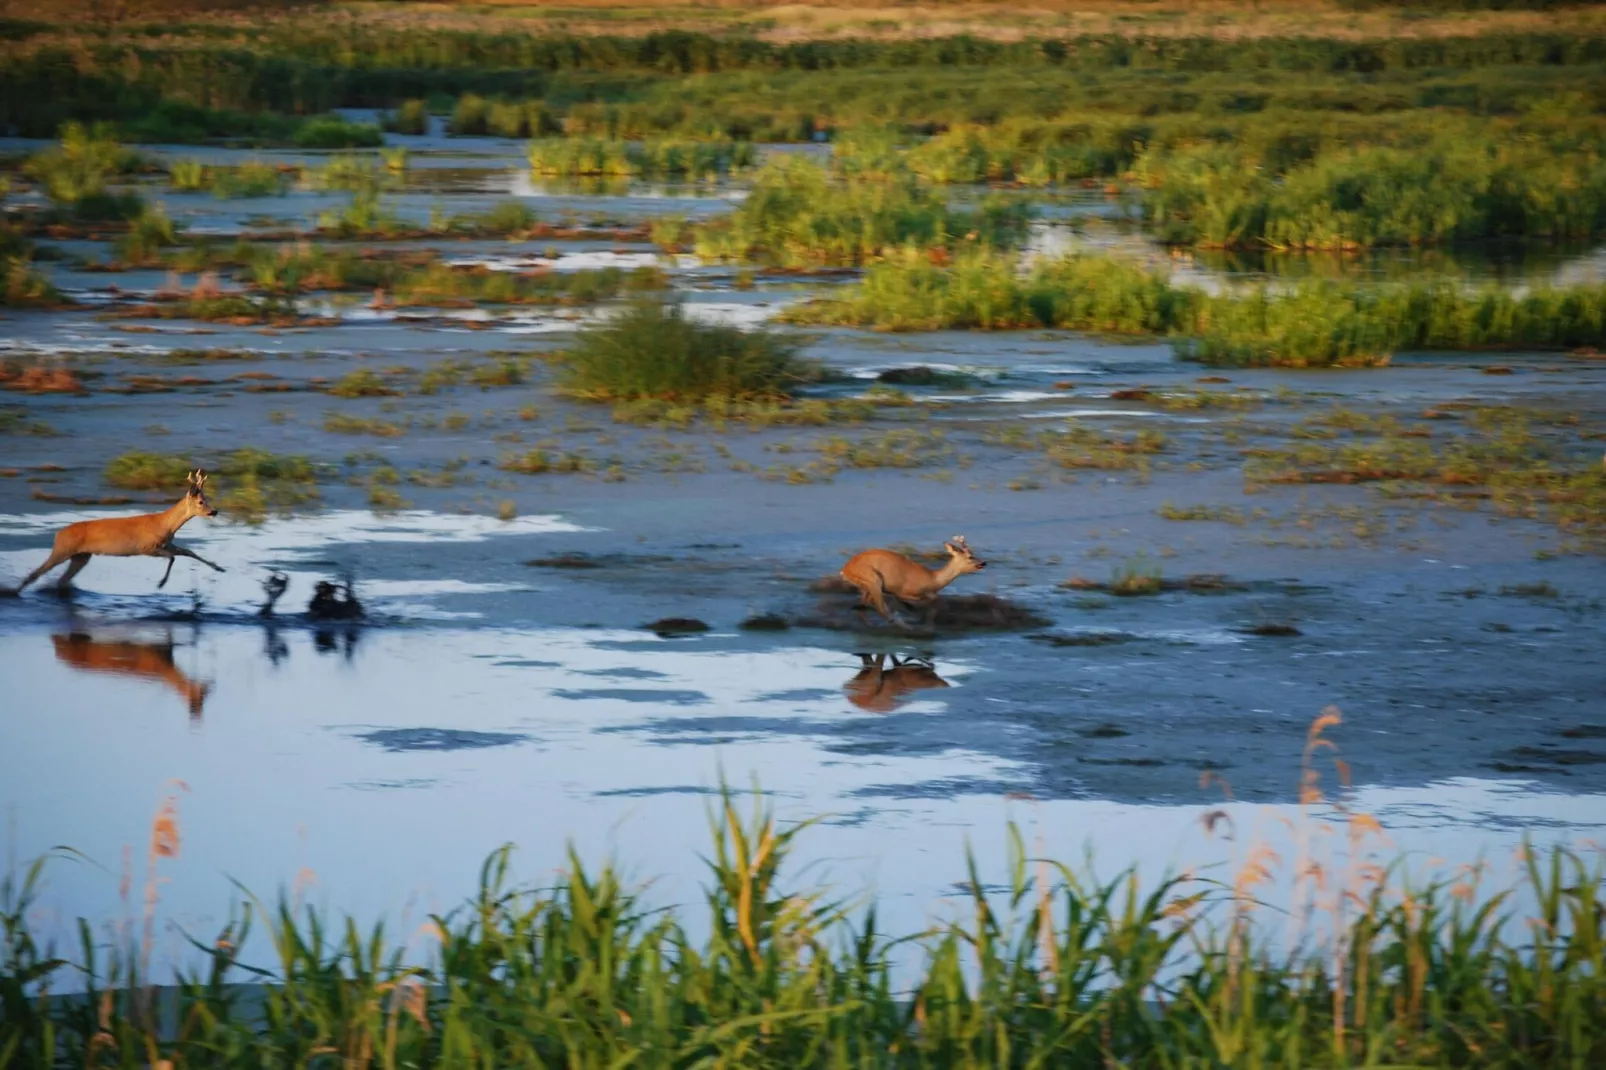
(883, 574)
(149, 535)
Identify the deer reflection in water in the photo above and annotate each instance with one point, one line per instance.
(150, 660)
(880, 688)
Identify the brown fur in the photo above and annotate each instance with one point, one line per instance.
(882, 574)
(150, 535)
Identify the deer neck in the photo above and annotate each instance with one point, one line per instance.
(174, 518)
(947, 574)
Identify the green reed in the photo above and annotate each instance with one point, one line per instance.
(655, 158)
(1053, 968)
(799, 215)
(651, 350)
(1308, 323)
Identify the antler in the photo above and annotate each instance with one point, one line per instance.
(197, 478)
(958, 540)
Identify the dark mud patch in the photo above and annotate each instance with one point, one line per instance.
(1103, 731)
(1584, 731)
(953, 614)
(398, 740)
(668, 627)
(923, 375)
(1141, 763)
(570, 560)
(1564, 756)
(1199, 583)
(1272, 630)
(765, 622)
(1082, 638)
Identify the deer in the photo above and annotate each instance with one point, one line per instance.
(880, 689)
(882, 574)
(148, 535)
(151, 661)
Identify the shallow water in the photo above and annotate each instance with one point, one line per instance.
(489, 700)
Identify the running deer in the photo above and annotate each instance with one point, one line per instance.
(880, 689)
(883, 574)
(150, 661)
(150, 535)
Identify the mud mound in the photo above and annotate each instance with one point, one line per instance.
(668, 627)
(954, 614)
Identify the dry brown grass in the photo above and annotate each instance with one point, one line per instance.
(885, 19)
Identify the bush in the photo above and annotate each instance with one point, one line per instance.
(652, 351)
(333, 132)
(411, 118)
(75, 174)
(147, 235)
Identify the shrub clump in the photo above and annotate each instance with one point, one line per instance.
(653, 351)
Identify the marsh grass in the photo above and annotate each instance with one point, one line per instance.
(654, 158)
(249, 483)
(651, 351)
(1051, 966)
(1311, 323)
(1525, 462)
(799, 215)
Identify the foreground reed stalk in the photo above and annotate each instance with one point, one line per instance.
(1052, 970)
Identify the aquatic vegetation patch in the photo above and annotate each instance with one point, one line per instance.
(249, 483)
(652, 351)
(798, 215)
(1311, 323)
(653, 158)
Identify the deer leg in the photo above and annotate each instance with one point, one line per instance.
(73, 569)
(56, 557)
(167, 553)
(180, 551)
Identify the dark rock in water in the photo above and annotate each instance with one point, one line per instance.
(1274, 630)
(332, 601)
(567, 560)
(669, 626)
(766, 622)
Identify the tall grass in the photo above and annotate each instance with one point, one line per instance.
(656, 158)
(799, 215)
(1355, 197)
(77, 173)
(653, 351)
(1053, 968)
(1311, 323)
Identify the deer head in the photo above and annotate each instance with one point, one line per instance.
(195, 499)
(963, 556)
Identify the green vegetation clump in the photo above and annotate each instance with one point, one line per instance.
(23, 286)
(652, 351)
(1054, 968)
(656, 158)
(333, 132)
(76, 174)
(798, 215)
(1312, 323)
(248, 483)
(1368, 196)
(474, 114)
(147, 236)
(254, 179)
(412, 117)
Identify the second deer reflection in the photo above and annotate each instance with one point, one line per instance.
(880, 688)
(123, 657)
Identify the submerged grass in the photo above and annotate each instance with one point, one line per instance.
(1051, 968)
(656, 158)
